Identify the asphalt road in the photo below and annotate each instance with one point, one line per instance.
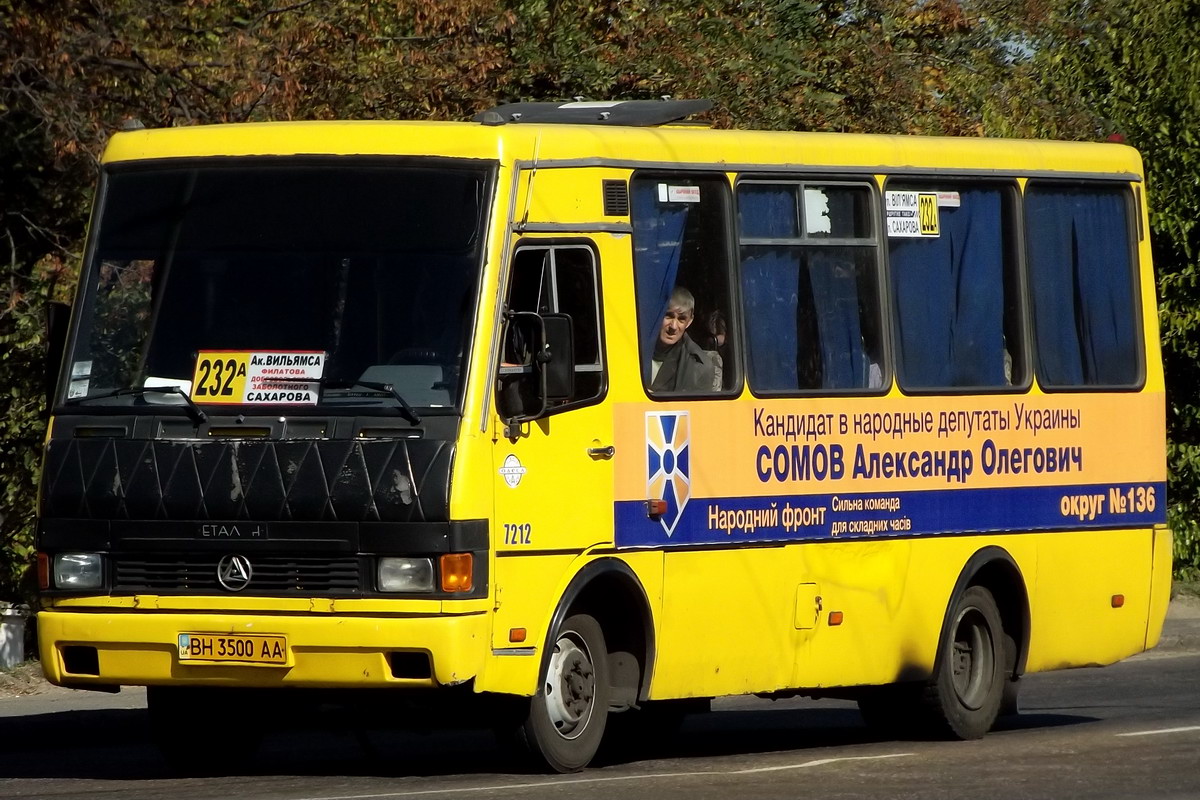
(1129, 730)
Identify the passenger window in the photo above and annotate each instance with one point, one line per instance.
(1081, 271)
(810, 286)
(955, 285)
(681, 259)
(556, 280)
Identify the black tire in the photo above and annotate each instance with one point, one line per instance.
(202, 731)
(963, 698)
(567, 716)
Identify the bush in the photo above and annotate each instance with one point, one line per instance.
(22, 418)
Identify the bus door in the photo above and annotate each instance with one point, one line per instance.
(554, 476)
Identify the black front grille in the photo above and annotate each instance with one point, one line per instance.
(196, 573)
(318, 480)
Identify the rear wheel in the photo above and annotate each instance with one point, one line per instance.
(964, 697)
(567, 715)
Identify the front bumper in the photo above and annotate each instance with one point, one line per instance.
(141, 649)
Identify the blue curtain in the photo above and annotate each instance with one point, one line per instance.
(802, 304)
(949, 297)
(770, 284)
(1082, 281)
(834, 277)
(657, 244)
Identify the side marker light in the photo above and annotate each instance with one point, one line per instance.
(1118, 600)
(656, 508)
(517, 635)
(835, 618)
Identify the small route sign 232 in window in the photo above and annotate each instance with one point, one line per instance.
(239, 377)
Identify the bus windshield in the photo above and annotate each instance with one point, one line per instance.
(336, 270)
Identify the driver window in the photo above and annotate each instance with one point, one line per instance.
(559, 279)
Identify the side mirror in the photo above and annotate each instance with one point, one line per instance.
(538, 365)
(58, 317)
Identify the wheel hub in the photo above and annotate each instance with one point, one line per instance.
(570, 686)
(972, 663)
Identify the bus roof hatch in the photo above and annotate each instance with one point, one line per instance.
(638, 113)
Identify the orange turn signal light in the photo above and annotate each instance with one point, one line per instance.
(517, 635)
(835, 618)
(1118, 600)
(457, 572)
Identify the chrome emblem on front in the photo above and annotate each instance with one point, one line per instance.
(234, 572)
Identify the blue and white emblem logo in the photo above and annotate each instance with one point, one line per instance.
(668, 475)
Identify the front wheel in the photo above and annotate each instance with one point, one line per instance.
(567, 715)
(968, 684)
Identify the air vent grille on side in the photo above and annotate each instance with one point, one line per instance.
(616, 199)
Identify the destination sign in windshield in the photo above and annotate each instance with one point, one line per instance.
(248, 378)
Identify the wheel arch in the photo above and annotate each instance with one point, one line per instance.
(994, 569)
(608, 590)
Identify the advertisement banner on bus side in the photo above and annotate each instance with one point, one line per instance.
(778, 470)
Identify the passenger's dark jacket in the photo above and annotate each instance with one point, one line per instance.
(685, 368)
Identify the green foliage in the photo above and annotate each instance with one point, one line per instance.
(1131, 67)
(1184, 463)
(22, 427)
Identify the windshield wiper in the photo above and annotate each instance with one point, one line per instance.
(380, 389)
(194, 411)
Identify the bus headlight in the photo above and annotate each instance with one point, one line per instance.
(78, 571)
(396, 574)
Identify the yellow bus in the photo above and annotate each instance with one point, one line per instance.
(589, 414)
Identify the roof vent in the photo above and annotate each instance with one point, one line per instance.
(637, 113)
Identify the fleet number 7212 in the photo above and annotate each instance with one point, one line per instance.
(517, 534)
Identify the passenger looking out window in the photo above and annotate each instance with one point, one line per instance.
(678, 363)
(682, 261)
